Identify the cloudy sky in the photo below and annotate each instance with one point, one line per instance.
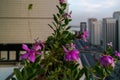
(84, 9)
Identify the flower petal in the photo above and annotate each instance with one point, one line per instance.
(24, 56)
(32, 58)
(106, 60)
(36, 47)
(65, 49)
(37, 52)
(25, 47)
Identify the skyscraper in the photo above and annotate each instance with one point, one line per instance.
(83, 26)
(116, 15)
(109, 32)
(94, 31)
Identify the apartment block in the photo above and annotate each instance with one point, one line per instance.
(109, 32)
(94, 31)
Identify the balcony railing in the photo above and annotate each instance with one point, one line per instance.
(10, 52)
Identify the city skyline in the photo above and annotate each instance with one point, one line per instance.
(84, 9)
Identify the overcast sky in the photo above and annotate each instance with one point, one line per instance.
(84, 9)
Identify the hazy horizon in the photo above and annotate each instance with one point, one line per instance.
(84, 9)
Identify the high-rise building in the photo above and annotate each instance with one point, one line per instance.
(116, 15)
(83, 26)
(119, 34)
(109, 32)
(94, 31)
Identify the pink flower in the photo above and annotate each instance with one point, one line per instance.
(61, 1)
(117, 54)
(67, 15)
(31, 53)
(84, 36)
(106, 61)
(71, 55)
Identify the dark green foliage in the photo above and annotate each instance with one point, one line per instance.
(68, 71)
(29, 72)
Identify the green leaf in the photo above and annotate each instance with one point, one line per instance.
(25, 74)
(60, 10)
(55, 19)
(56, 45)
(65, 35)
(80, 74)
(58, 15)
(64, 6)
(18, 74)
(54, 25)
(86, 73)
(70, 20)
(68, 28)
(51, 27)
(66, 21)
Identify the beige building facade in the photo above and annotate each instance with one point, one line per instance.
(20, 25)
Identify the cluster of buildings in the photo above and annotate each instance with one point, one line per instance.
(103, 32)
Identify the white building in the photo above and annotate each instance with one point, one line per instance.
(109, 32)
(20, 25)
(94, 31)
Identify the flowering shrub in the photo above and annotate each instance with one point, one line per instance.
(105, 65)
(54, 59)
(58, 59)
